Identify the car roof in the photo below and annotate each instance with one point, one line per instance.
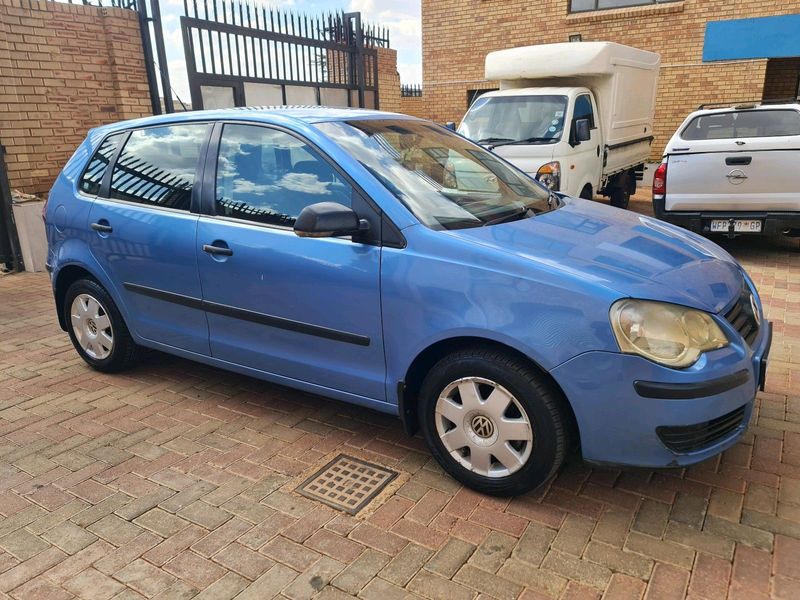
(266, 114)
(746, 107)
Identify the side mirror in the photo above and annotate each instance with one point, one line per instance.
(328, 219)
(581, 130)
(450, 125)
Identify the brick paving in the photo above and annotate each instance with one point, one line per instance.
(173, 480)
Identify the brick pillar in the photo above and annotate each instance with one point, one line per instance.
(388, 80)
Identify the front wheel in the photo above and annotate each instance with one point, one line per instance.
(493, 422)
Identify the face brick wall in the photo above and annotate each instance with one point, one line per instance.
(457, 34)
(63, 70)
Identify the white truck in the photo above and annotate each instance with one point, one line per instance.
(577, 116)
(733, 170)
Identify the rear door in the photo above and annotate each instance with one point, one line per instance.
(143, 228)
(736, 161)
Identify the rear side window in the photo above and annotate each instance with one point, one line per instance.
(744, 124)
(98, 165)
(157, 166)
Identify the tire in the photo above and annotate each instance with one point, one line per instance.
(527, 459)
(619, 198)
(110, 348)
(586, 192)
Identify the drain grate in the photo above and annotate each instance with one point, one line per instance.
(347, 483)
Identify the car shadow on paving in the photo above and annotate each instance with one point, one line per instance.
(175, 479)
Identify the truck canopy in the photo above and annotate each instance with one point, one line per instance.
(622, 78)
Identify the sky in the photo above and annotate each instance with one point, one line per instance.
(401, 17)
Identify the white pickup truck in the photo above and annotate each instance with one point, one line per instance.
(733, 171)
(576, 116)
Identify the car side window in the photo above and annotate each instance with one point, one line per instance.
(268, 176)
(583, 109)
(98, 165)
(157, 166)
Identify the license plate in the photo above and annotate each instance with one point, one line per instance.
(739, 225)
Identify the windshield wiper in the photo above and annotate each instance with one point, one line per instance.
(494, 140)
(522, 213)
(529, 140)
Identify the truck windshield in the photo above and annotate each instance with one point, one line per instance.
(445, 180)
(497, 119)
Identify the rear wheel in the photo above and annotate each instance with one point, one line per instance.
(619, 198)
(586, 192)
(493, 422)
(97, 329)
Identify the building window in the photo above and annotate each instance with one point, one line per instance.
(473, 95)
(586, 5)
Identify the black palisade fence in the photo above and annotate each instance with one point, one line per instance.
(408, 90)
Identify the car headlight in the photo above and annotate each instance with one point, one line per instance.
(550, 175)
(668, 334)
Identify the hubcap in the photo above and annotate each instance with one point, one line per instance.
(484, 427)
(91, 326)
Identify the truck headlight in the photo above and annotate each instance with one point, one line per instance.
(668, 334)
(550, 175)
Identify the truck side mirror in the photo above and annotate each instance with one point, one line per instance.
(450, 125)
(581, 131)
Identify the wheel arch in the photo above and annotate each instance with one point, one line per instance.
(66, 276)
(408, 388)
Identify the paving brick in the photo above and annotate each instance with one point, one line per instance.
(667, 583)
(313, 580)
(115, 530)
(623, 587)
(487, 583)
(334, 545)
(619, 560)
(702, 541)
(174, 545)
(244, 561)
(573, 568)
(660, 550)
(404, 566)
(741, 533)
(751, 571)
(356, 575)
(93, 585)
(145, 578)
(22, 544)
(786, 561)
(449, 558)
(574, 534)
(710, 577)
(269, 584)
(290, 553)
(194, 569)
(435, 587)
(69, 537)
(526, 575)
(227, 586)
(30, 568)
(500, 521)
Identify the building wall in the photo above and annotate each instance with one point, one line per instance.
(781, 80)
(457, 35)
(63, 70)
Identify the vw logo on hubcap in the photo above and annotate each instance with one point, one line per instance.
(92, 327)
(482, 426)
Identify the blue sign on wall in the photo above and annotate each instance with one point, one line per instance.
(765, 37)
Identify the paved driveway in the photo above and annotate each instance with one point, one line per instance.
(175, 479)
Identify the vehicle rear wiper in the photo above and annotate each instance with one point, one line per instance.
(529, 140)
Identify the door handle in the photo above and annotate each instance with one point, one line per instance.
(102, 227)
(219, 250)
(738, 160)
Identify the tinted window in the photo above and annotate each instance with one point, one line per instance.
(96, 169)
(583, 5)
(752, 123)
(269, 176)
(583, 109)
(157, 166)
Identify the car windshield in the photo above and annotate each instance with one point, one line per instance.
(446, 181)
(498, 119)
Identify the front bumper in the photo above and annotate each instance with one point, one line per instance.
(772, 223)
(631, 411)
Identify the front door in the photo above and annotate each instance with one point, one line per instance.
(583, 164)
(306, 309)
(143, 234)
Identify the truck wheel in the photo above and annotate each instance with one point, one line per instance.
(586, 192)
(97, 329)
(492, 421)
(619, 198)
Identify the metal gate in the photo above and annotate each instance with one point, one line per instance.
(239, 54)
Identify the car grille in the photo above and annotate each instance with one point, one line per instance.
(742, 318)
(691, 438)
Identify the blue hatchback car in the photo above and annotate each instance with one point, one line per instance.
(385, 261)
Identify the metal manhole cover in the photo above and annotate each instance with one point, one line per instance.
(347, 483)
